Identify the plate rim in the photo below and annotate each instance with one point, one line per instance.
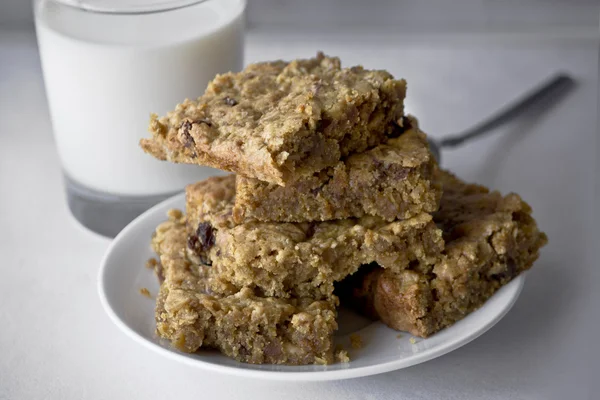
(516, 285)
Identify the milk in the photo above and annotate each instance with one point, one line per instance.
(105, 74)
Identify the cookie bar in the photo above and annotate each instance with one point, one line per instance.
(249, 328)
(490, 239)
(297, 259)
(392, 181)
(280, 121)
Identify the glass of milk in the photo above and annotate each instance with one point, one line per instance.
(107, 65)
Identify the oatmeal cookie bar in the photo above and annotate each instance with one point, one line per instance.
(490, 239)
(392, 181)
(280, 121)
(297, 259)
(244, 326)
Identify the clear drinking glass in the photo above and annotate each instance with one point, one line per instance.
(107, 65)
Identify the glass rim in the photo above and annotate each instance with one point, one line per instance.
(130, 7)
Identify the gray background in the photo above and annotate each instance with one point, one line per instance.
(466, 15)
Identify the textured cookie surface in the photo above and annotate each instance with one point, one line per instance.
(280, 121)
(490, 239)
(297, 259)
(394, 180)
(245, 326)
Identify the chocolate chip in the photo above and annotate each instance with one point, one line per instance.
(186, 126)
(205, 233)
(388, 171)
(188, 140)
(160, 272)
(195, 244)
(230, 102)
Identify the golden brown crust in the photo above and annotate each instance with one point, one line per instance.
(392, 181)
(280, 121)
(297, 259)
(243, 326)
(490, 239)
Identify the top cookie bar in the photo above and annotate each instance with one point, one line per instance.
(280, 121)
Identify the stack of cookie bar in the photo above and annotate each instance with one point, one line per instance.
(334, 189)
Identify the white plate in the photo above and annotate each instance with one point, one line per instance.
(123, 274)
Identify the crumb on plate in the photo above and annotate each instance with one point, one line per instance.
(342, 356)
(356, 341)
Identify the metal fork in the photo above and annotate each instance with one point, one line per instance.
(550, 90)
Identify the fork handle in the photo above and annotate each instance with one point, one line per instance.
(553, 85)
